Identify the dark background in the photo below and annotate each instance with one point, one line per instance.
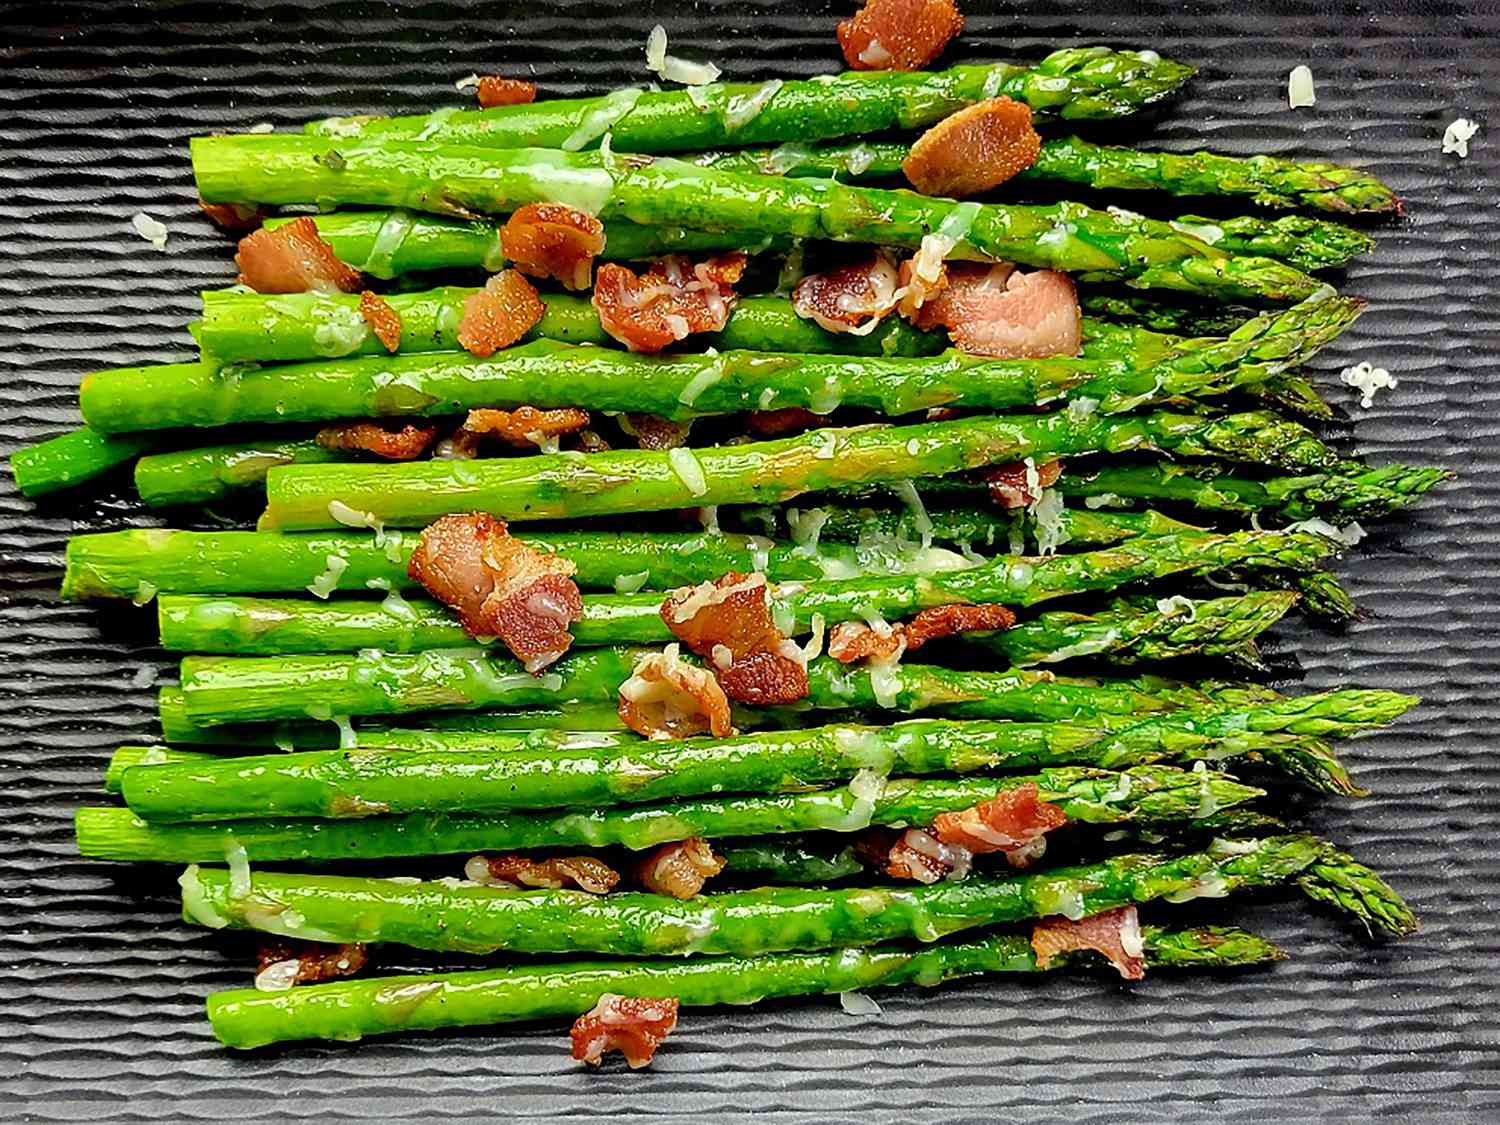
(101, 987)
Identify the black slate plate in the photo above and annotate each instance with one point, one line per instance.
(102, 988)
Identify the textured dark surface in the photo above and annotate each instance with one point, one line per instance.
(101, 987)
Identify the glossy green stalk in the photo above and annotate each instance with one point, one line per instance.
(466, 181)
(346, 1010)
(483, 919)
(206, 474)
(575, 772)
(114, 564)
(1340, 496)
(252, 327)
(73, 458)
(1072, 84)
(1147, 794)
(796, 861)
(547, 373)
(568, 486)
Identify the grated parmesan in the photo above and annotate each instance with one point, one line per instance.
(1348, 536)
(1457, 135)
(673, 69)
(1177, 606)
(857, 1003)
(1299, 88)
(152, 230)
(1367, 380)
(745, 108)
(464, 85)
(327, 582)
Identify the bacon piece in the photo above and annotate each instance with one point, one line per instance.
(853, 640)
(898, 34)
(293, 258)
(651, 431)
(581, 871)
(996, 310)
(499, 586)
(770, 423)
(1011, 485)
(632, 1025)
(729, 622)
(680, 869)
(974, 150)
(383, 320)
(498, 315)
(494, 90)
(405, 444)
(918, 855)
(852, 298)
(526, 425)
(666, 697)
(552, 240)
(1114, 933)
(671, 300)
(233, 216)
(1014, 821)
(282, 962)
(591, 442)
(921, 281)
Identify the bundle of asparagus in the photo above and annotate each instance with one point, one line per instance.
(764, 757)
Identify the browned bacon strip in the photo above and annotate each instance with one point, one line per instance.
(494, 90)
(283, 962)
(293, 258)
(974, 150)
(728, 623)
(898, 34)
(1115, 933)
(999, 311)
(499, 586)
(383, 320)
(404, 444)
(551, 240)
(680, 869)
(527, 425)
(666, 697)
(1014, 821)
(1011, 485)
(581, 871)
(498, 315)
(669, 302)
(632, 1025)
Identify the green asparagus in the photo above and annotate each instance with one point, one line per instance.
(1156, 795)
(346, 1010)
(465, 182)
(796, 861)
(572, 485)
(74, 458)
(483, 919)
(547, 373)
(204, 475)
(1072, 84)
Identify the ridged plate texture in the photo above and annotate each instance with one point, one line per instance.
(102, 987)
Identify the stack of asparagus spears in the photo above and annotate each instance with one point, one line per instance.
(324, 712)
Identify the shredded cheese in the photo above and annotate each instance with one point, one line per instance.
(1299, 88)
(1367, 380)
(1457, 135)
(152, 230)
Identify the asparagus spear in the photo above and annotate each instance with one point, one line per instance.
(1128, 631)
(1135, 629)
(1266, 180)
(462, 181)
(178, 727)
(352, 783)
(114, 564)
(796, 861)
(203, 475)
(1156, 311)
(1149, 794)
(546, 373)
(483, 919)
(1072, 84)
(1367, 494)
(346, 1010)
(305, 497)
(242, 327)
(73, 458)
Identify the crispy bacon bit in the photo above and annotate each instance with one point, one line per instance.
(919, 285)
(666, 697)
(632, 1025)
(1114, 933)
(732, 613)
(293, 258)
(1015, 821)
(526, 425)
(1011, 485)
(898, 34)
(853, 640)
(652, 431)
(849, 641)
(383, 320)
(974, 150)
(917, 855)
(499, 586)
(671, 300)
(282, 962)
(852, 298)
(498, 315)
(680, 869)
(233, 216)
(591, 442)
(551, 240)
(405, 444)
(999, 311)
(494, 90)
(581, 871)
(770, 423)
